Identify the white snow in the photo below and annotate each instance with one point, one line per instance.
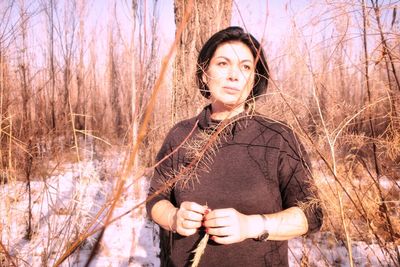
(66, 203)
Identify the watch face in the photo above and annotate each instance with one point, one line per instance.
(264, 236)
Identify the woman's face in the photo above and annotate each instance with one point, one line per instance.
(230, 75)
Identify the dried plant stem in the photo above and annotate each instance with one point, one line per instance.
(28, 170)
(12, 263)
(199, 251)
(348, 238)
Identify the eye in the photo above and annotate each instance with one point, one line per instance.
(222, 63)
(246, 67)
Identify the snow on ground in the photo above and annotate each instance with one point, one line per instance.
(322, 250)
(67, 202)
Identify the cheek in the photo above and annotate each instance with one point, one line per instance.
(217, 73)
(214, 82)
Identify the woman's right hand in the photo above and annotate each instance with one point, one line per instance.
(188, 218)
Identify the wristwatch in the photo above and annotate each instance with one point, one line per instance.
(265, 234)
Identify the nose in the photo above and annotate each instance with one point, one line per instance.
(233, 74)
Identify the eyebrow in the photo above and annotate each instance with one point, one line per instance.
(244, 60)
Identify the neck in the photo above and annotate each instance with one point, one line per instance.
(225, 112)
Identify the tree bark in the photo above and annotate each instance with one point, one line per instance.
(52, 66)
(81, 100)
(206, 18)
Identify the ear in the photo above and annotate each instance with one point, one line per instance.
(204, 78)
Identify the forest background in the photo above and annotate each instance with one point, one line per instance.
(104, 81)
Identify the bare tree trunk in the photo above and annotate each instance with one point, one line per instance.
(80, 105)
(52, 67)
(202, 23)
(67, 37)
(66, 80)
(26, 123)
(383, 207)
(113, 81)
(368, 87)
(207, 17)
(97, 106)
(28, 170)
(390, 67)
(150, 78)
(23, 71)
(134, 101)
(386, 49)
(5, 120)
(2, 110)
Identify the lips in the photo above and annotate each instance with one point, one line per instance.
(231, 88)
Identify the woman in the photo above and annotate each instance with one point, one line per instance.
(230, 172)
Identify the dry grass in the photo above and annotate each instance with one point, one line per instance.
(352, 138)
(342, 102)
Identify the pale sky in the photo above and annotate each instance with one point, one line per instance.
(254, 15)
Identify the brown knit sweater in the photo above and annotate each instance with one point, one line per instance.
(257, 166)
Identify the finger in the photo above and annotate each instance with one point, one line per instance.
(193, 206)
(220, 232)
(217, 222)
(192, 216)
(187, 232)
(223, 240)
(190, 224)
(219, 213)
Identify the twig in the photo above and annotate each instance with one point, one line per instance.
(7, 254)
(200, 249)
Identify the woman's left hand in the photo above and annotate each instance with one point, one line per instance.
(226, 226)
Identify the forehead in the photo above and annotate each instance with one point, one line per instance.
(234, 49)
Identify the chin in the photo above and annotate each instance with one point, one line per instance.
(232, 105)
(229, 102)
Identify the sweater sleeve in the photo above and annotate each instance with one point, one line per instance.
(296, 184)
(159, 188)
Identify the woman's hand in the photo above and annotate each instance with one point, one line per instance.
(227, 226)
(188, 218)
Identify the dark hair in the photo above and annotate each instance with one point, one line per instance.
(228, 35)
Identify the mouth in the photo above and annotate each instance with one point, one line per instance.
(231, 88)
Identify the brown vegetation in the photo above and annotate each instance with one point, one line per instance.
(339, 89)
(341, 95)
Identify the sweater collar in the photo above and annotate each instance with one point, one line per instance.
(235, 123)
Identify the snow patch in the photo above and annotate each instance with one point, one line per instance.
(64, 205)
